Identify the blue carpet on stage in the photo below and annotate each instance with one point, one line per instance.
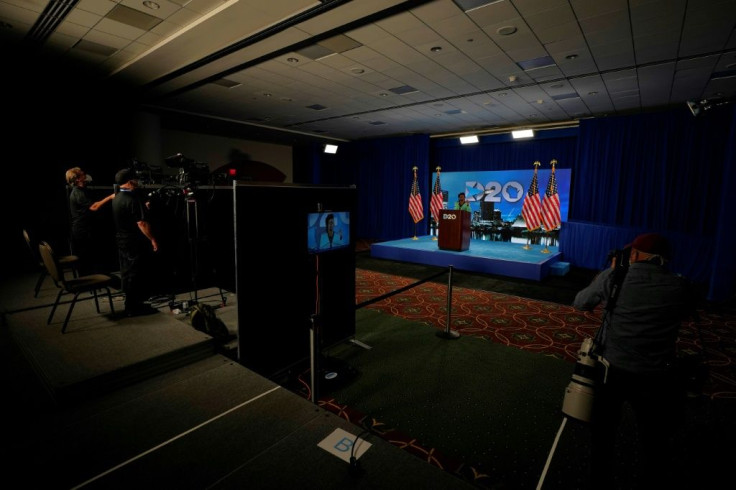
(487, 256)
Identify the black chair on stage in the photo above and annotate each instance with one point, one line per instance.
(76, 286)
(66, 262)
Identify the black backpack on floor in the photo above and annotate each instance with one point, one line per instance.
(204, 319)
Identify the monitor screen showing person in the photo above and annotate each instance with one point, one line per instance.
(328, 230)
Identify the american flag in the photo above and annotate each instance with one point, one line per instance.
(531, 209)
(551, 203)
(416, 209)
(435, 204)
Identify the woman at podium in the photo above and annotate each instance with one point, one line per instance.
(461, 203)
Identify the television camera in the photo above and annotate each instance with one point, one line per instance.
(578, 401)
(190, 171)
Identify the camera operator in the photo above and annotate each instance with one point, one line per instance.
(638, 339)
(136, 244)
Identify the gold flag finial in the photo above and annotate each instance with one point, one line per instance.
(438, 169)
(553, 162)
(537, 164)
(415, 168)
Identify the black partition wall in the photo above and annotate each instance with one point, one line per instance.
(282, 283)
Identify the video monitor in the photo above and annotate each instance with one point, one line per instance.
(327, 231)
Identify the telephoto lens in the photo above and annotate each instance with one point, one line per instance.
(578, 401)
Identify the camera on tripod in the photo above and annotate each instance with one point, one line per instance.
(579, 394)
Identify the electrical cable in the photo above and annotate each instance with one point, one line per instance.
(354, 467)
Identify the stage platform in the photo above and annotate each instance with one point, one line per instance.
(487, 256)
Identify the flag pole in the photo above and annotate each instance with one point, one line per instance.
(436, 219)
(532, 193)
(545, 250)
(415, 232)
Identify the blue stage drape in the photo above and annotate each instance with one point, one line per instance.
(668, 172)
(382, 171)
(659, 172)
(501, 152)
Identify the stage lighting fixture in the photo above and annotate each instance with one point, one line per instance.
(466, 140)
(523, 133)
(331, 149)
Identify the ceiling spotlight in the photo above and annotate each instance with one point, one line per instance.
(523, 133)
(151, 5)
(292, 60)
(699, 106)
(466, 140)
(436, 49)
(330, 149)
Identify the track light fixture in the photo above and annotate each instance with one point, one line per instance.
(522, 133)
(697, 107)
(466, 140)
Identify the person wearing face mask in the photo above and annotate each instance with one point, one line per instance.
(82, 208)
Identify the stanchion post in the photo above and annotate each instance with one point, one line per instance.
(447, 333)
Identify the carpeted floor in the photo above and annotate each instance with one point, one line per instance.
(487, 405)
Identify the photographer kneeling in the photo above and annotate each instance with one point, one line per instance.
(637, 337)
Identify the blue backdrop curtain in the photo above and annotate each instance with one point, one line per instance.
(668, 171)
(655, 172)
(501, 152)
(382, 171)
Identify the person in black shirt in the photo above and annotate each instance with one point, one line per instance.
(83, 229)
(136, 244)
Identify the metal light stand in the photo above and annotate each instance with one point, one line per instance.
(192, 209)
(447, 333)
(314, 356)
(314, 337)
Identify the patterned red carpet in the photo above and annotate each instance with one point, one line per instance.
(538, 326)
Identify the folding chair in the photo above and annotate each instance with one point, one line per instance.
(76, 286)
(66, 262)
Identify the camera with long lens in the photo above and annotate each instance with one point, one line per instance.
(619, 258)
(579, 394)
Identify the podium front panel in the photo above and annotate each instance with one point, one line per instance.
(454, 231)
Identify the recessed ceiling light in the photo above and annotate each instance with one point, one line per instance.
(571, 56)
(506, 30)
(502, 94)
(383, 94)
(593, 93)
(557, 85)
(292, 60)
(436, 49)
(358, 71)
(151, 5)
